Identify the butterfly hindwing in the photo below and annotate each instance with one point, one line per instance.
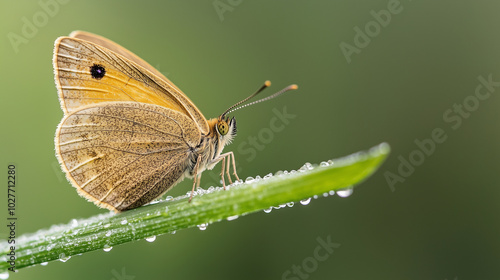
(124, 154)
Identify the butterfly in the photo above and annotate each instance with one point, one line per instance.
(128, 134)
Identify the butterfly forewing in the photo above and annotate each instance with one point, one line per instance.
(124, 154)
(120, 79)
(112, 46)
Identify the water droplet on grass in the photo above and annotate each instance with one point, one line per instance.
(203, 226)
(42, 264)
(268, 210)
(151, 238)
(124, 222)
(4, 275)
(107, 248)
(345, 192)
(249, 180)
(63, 258)
(231, 218)
(305, 201)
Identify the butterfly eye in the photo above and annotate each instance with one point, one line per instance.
(222, 127)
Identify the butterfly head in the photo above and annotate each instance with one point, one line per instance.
(226, 128)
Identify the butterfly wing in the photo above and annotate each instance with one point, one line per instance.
(110, 45)
(122, 77)
(121, 155)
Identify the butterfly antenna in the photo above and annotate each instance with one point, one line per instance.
(288, 88)
(264, 86)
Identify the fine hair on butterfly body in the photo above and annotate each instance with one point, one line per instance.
(129, 134)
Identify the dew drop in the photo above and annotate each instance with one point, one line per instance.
(107, 225)
(307, 166)
(325, 194)
(249, 180)
(268, 210)
(231, 218)
(315, 197)
(173, 232)
(108, 234)
(63, 258)
(124, 222)
(290, 204)
(305, 201)
(323, 164)
(268, 176)
(169, 197)
(203, 226)
(107, 248)
(42, 264)
(330, 162)
(4, 275)
(345, 192)
(331, 192)
(74, 223)
(151, 238)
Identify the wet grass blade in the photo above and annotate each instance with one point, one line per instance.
(60, 242)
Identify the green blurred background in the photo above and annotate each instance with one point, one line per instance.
(442, 222)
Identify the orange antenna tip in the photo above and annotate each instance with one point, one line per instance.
(267, 83)
(293, 87)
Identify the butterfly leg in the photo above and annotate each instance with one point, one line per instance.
(222, 173)
(234, 167)
(196, 178)
(227, 159)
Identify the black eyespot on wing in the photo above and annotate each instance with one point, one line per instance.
(97, 71)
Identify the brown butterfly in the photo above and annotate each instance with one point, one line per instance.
(129, 134)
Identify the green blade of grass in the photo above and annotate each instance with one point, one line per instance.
(60, 242)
